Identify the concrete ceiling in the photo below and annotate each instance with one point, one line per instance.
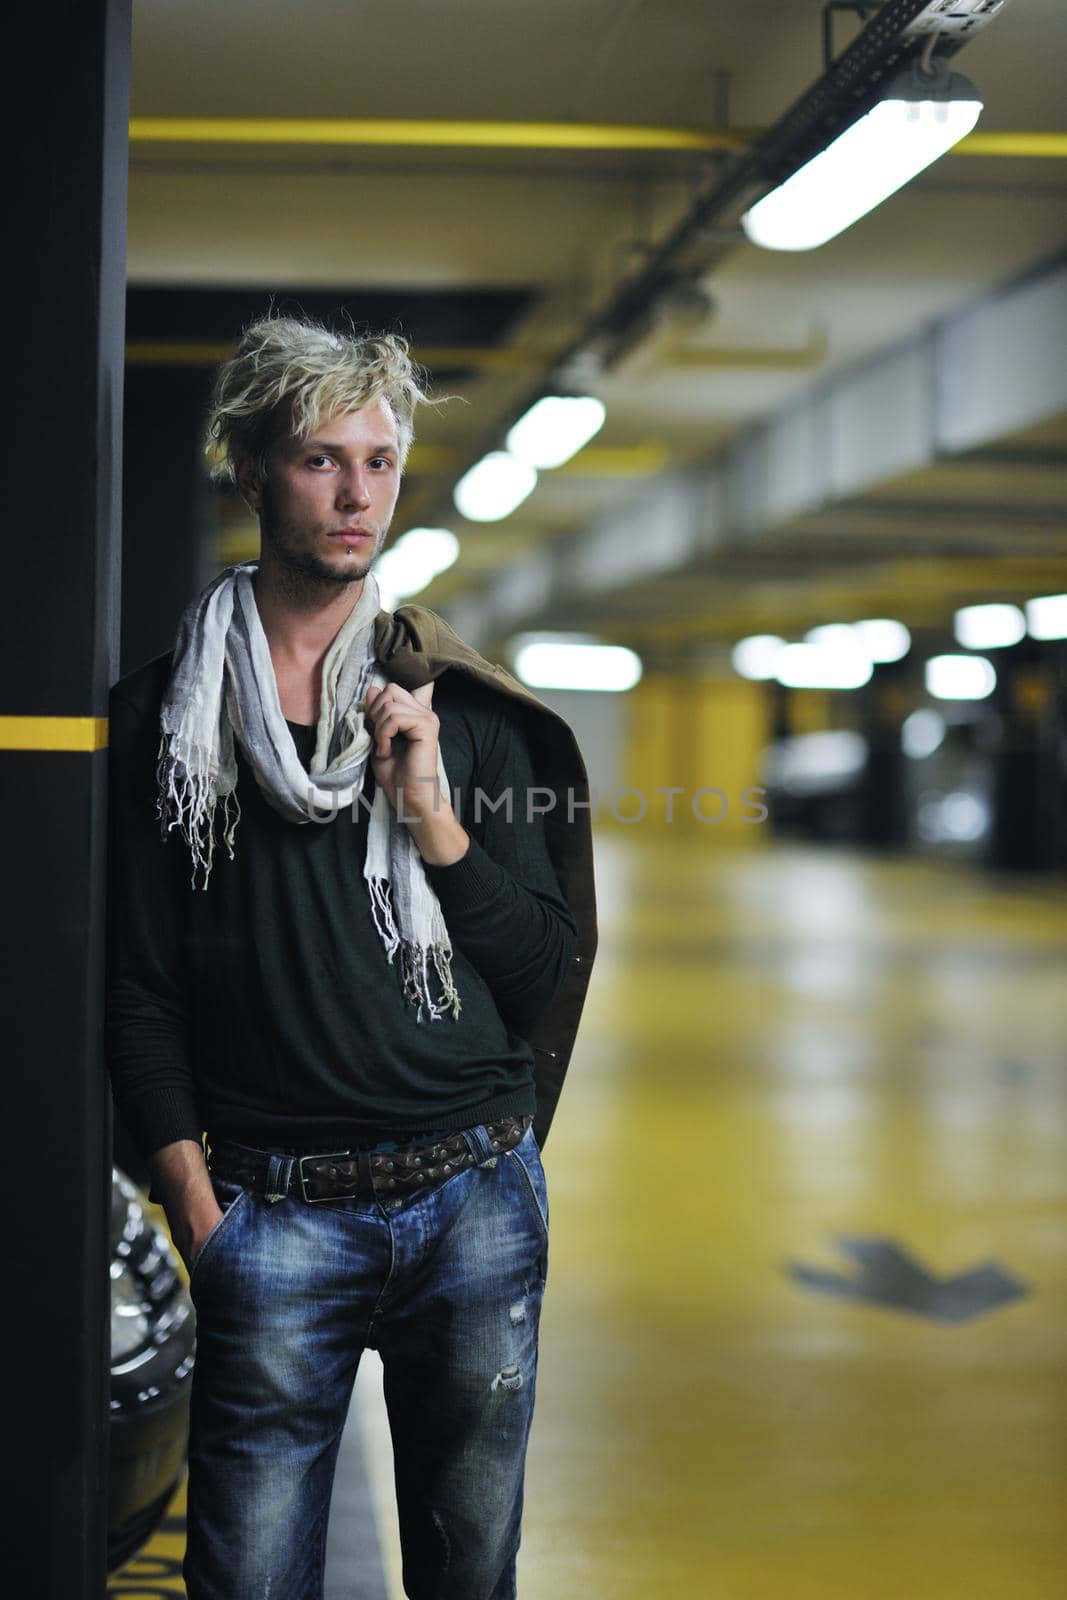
(558, 230)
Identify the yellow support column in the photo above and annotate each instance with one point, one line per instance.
(650, 758)
(729, 727)
(692, 756)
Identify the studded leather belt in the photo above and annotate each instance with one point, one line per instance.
(359, 1174)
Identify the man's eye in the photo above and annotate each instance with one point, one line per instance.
(381, 461)
(312, 460)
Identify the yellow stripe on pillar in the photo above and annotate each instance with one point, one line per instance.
(53, 733)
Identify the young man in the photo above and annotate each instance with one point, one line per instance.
(352, 921)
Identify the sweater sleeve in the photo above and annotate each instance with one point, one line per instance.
(147, 1009)
(501, 900)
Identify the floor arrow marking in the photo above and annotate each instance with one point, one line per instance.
(889, 1276)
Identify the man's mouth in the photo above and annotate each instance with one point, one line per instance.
(351, 536)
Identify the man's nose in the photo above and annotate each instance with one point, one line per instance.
(354, 489)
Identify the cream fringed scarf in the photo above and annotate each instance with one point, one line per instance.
(223, 684)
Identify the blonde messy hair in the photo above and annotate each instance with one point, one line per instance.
(289, 373)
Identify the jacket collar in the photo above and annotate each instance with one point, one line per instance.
(415, 645)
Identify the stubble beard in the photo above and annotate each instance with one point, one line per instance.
(303, 575)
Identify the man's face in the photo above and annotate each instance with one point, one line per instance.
(327, 503)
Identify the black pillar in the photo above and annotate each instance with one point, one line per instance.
(165, 506)
(65, 257)
(781, 728)
(1052, 735)
(166, 536)
(1021, 837)
(883, 705)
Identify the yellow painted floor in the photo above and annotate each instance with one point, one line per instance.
(156, 1572)
(784, 1048)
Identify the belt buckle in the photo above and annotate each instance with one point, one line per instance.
(326, 1155)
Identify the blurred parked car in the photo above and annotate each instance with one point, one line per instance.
(153, 1337)
(814, 783)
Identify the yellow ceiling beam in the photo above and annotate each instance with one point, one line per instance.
(436, 134)
(1043, 145)
(433, 460)
(433, 134)
(502, 359)
(487, 358)
(595, 461)
(176, 353)
(918, 590)
(204, 353)
(707, 357)
(611, 461)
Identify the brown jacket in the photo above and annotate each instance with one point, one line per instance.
(414, 645)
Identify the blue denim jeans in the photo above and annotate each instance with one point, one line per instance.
(447, 1286)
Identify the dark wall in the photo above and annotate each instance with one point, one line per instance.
(65, 259)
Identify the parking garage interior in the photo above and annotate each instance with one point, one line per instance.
(804, 1329)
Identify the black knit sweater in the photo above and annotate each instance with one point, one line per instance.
(264, 1009)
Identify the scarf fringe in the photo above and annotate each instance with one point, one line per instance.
(187, 799)
(415, 960)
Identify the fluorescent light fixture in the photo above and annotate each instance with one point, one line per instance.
(755, 656)
(883, 639)
(913, 124)
(922, 733)
(413, 562)
(556, 428)
(822, 666)
(1046, 616)
(988, 627)
(493, 487)
(845, 660)
(835, 636)
(435, 548)
(569, 662)
(960, 677)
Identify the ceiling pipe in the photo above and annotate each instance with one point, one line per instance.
(689, 250)
(881, 48)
